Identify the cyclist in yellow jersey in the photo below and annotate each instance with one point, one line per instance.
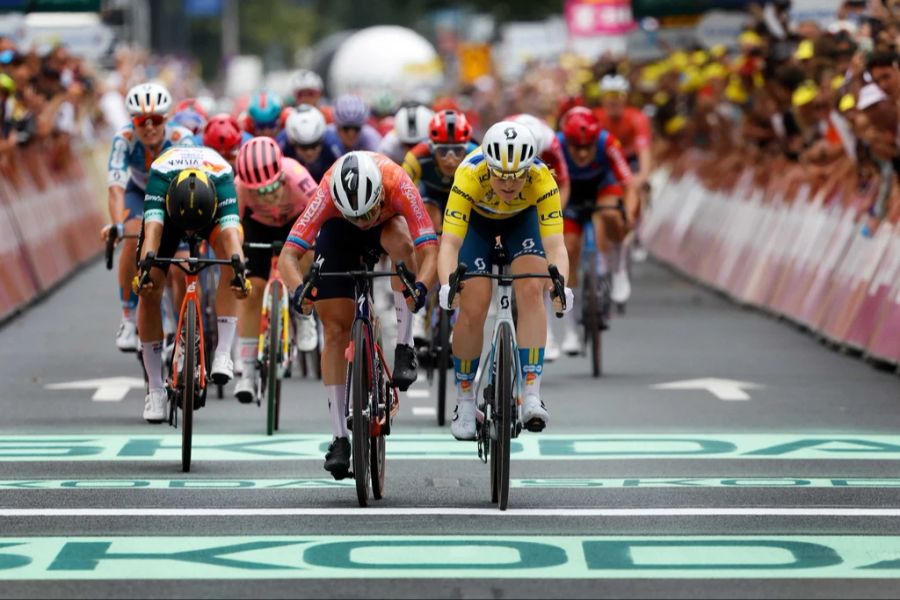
(502, 190)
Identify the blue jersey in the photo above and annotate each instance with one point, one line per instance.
(607, 168)
(316, 168)
(129, 159)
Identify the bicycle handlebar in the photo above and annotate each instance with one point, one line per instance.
(194, 266)
(113, 239)
(407, 277)
(553, 274)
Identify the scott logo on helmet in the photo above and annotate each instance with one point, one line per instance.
(510, 133)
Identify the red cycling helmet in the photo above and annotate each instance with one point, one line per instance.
(580, 126)
(259, 162)
(191, 104)
(445, 103)
(222, 134)
(449, 127)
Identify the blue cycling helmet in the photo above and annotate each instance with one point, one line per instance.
(264, 110)
(350, 110)
(189, 119)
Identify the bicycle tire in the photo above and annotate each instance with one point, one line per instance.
(443, 358)
(591, 322)
(377, 443)
(505, 400)
(359, 398)
(272, 358)
(188, 381)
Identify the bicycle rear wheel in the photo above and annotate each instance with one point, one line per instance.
(189, 382)
(381, 410)
(591, 321)
(504, 417)
(273, 359)
(443, 358)
(360, 386)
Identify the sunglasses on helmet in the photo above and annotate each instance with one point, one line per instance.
(142, 120)
(447, 150)
(371, 216)
(507, 175)
(269, 188)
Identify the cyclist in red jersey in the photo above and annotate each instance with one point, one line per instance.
(628, 125)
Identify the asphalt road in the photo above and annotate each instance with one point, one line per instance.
(633, 490)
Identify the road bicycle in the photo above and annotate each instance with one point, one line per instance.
(188, 381)
(274, 348)
(372, 399)
(501, 401)
(596, 289)
(436, 355)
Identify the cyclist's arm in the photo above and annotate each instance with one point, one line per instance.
(456, 223)
(550, 219)
(412, 167)
(624, 175)
(303, 233)
(406, 200)
(227, 218)
(154, 213)
(117, 178)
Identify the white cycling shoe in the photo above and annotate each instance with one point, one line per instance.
(245, 389)
(621, 287)
(126, 336)
(571, 343)
(155, 406)
(222, 370)
(307, 334)
(534, 414)
(464, 416)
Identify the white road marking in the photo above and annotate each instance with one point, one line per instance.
(424, 411)
(111, 389)
(418, 394)
(449, 511)
(723, 389)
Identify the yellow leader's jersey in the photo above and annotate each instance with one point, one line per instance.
(472, 190)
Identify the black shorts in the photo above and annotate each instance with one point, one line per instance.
(171, 239)
(343, 246)
(259, 260)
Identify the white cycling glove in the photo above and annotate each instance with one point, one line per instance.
(570, 300)
(444, 296)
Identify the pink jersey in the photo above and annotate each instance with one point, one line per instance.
(401, 197)
(299, 187)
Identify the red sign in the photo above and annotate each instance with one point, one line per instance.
(588, 18)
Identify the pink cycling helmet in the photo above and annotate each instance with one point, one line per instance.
(259, 162)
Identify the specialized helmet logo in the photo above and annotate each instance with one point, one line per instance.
(349, 178)
(510, 133)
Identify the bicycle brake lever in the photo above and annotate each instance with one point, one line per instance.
(559, 287)
(456, 281)
(407, 279)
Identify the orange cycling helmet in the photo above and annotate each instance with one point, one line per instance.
(580, 126)
(449, 127)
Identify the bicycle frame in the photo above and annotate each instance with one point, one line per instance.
(191, 293)
(284, 313)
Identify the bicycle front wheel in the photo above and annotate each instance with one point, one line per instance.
(190, 384)
(503, 413)
(273, 360)
(591, 321)
(443, 360)
(360, 390)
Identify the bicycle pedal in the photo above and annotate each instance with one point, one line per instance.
(535, 425)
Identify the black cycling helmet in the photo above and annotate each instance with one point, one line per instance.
(191, 201)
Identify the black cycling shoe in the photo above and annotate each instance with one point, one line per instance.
(337, 459)
(405, 365)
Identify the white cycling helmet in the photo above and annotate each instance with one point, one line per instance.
(411, 123)
(509, 147)
(614, 84)
(356, 184)
(542, 132)
(148, 99)
(306, 125)
(304, 79)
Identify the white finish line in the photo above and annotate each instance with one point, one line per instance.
(412, 511)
